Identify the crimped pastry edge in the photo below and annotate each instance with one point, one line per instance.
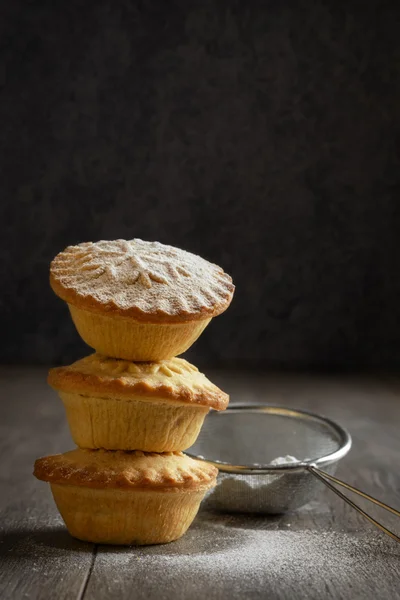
(156, 317)
(65, 379)
(52, 470)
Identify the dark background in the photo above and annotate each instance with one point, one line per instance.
(262, 135)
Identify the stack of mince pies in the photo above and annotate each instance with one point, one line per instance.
(133, 406)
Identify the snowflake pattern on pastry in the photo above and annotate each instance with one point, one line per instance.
(148, 276)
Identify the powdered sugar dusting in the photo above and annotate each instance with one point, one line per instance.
(149, 276)
(225, 557)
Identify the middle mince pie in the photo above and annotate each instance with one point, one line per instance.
(121, 405)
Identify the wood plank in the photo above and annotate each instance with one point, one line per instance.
(37, 556)
(325, 550)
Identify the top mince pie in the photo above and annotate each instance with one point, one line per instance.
(137, 300)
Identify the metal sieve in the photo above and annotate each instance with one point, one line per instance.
(243, 442)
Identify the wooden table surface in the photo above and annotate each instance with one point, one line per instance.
(324, 550)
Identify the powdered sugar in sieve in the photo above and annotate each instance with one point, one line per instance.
(247, 493)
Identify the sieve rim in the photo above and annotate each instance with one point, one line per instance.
(344, 441)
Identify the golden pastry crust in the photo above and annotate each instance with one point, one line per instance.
(132, 424)
(147, 281)
(174, 379)
(126, 470)
(113, 516)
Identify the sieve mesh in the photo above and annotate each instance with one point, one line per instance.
(251, 437)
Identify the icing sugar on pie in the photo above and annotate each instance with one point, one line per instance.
(145, 280)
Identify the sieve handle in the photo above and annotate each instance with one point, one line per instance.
(326, 478)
